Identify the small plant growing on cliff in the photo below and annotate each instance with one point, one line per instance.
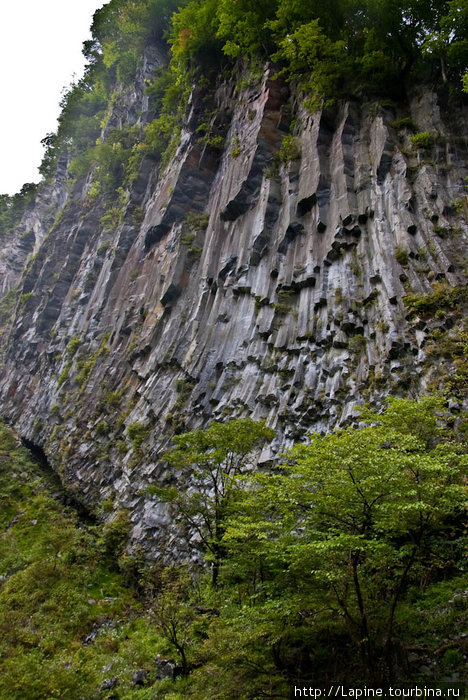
(443, 297)
(103, 248)
(423, 139)
(63, 376)
(197, 220)
(115, 534)
(401, 255)
(404, 123)
(113, 399)
(357, 344)
(138, 433)
(7, 306)
(102, 428)
(441, 231)
(236, 148)
(73, 346)
(338, 295)
(289, 150)
(194, 252)
(188, 237)
(284, 303)
(25, 297)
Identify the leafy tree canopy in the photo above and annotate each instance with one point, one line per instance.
(207, 464)
(351, 519)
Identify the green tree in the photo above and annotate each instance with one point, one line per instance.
(207, 464)
(351, 520)
(13, 207)
(173, 614)
(309, 51)
(193, 39)
(242, 26)
(448, 41)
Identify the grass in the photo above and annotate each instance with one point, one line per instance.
(67, 621)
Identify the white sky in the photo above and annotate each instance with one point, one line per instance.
(40, 50)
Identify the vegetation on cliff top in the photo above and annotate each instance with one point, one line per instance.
(332, 50)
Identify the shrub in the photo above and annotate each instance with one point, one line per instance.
(357, 344)
(73, 346)
(401, 255)
(423, 139)
(404, 123)
(443, 297)
(289, 150)
(138, 433)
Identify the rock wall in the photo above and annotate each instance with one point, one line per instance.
(266, 279)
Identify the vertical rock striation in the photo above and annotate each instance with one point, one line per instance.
(265, 280)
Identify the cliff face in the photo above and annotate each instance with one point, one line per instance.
(266, 279)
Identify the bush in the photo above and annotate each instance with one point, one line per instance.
(138, 433)
(423, 140)
(404, 123)
(401, 255)
(289, 150)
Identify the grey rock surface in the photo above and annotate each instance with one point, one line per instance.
(287, 305)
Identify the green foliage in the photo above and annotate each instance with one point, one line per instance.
(447, 353)
(113, 399)
(103, 248)
(441, 231)
(309, 50)
(173, 615)
(86, 363)
(285, 301)
(401, 255)
(160, 133)
(82, 109)
(337, 536)
(351, 549)
(443, 297)
(102, 428)
(331, 49)
(7, 306)
(194, 42)
(241, 26)
(73, 346)
(448, 42)
(194, 252)
(210, 461)
(138, 433)
(113, 216)
(24, 297)
(236, 150)
(405, 123)
(423, 139)
(289, 150)
(13, 207)
(64, 374)
(197, 221)
(56, 589)
(110, 161)
(115, 534)
(357, 344)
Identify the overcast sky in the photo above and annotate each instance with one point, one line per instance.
(40, 50)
